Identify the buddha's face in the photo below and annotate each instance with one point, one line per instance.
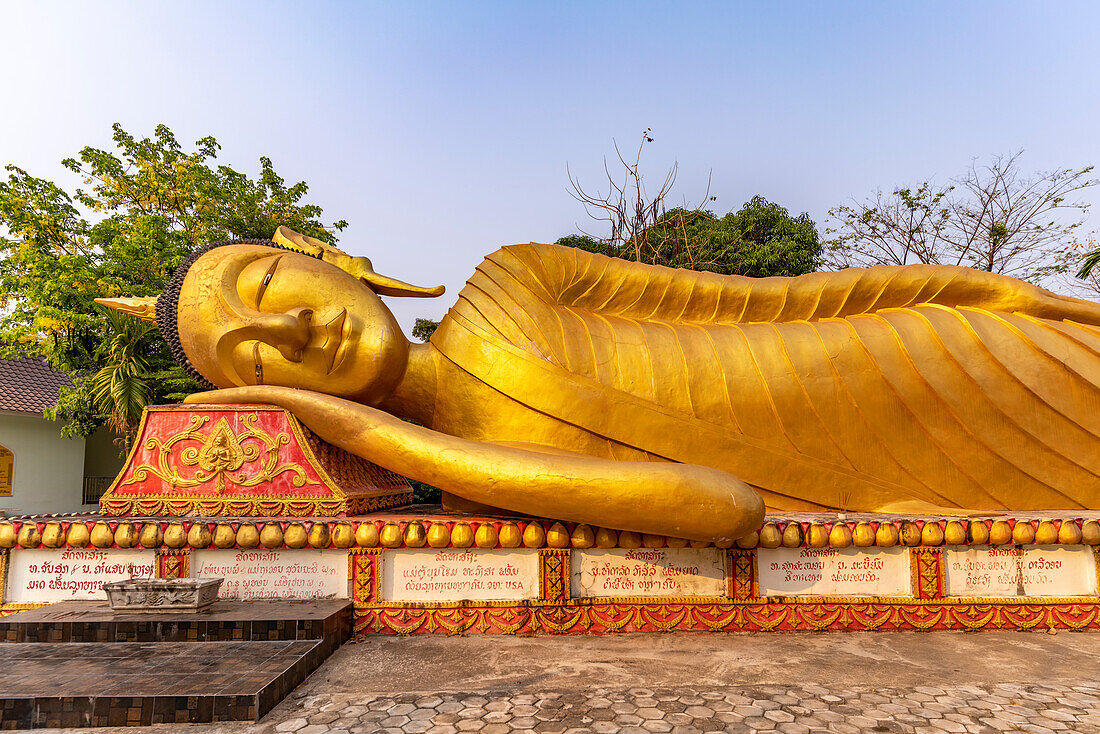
(255, 315)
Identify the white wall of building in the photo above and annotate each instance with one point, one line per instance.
(49, 470)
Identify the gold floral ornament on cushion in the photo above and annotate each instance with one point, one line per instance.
(220, 454)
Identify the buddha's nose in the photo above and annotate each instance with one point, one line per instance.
(288, 332)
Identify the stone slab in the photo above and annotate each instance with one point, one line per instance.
(1020, 571)
(450, 575)
(275, 574)
(648, 572)
(51, 575)
(834, 571)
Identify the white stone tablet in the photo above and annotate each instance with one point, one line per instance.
(457, 574)
(48, 575)
(834, 571)
(275, 574)
(660, 572)
(1020, 571)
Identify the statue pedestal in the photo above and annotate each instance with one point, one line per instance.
(249, 495)
(243, 461)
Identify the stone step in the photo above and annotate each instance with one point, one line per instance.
(75, 684)
(76, 664)
(93, 621)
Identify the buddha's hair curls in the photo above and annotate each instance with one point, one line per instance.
(169, 300)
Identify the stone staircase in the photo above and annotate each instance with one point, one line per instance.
(77, 664)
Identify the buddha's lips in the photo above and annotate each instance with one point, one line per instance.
(335, 341)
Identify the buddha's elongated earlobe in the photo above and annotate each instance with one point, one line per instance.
(144, 308)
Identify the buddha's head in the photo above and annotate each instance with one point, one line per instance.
(253, 312)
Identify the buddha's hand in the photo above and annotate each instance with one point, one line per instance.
(663, 498)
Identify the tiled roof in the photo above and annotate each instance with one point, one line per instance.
(28, 385)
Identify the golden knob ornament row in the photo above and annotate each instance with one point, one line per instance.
(508, 534)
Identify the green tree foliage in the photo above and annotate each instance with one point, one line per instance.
(424, 328)
(761, 239)
(142, 207)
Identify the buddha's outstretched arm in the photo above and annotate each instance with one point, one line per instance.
(681, 500)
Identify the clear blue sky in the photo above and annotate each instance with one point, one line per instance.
(441, 131)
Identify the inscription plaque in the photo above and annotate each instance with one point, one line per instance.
(454, 574)
(834, 572)
(41, 575)
(275, 574)
(619, 572)
(1020, 571)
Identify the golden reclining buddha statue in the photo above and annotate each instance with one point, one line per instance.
(570, 385)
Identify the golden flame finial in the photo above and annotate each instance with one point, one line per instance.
(144, 308)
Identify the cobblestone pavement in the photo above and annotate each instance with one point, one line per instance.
(791, 709)
(880, 682)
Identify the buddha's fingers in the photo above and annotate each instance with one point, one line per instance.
(680, 500)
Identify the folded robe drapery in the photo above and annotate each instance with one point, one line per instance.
(851, 390)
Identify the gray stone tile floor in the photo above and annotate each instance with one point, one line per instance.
(862, 682)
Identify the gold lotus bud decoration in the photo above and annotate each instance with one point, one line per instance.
(7, 535)
(1023, 533)
(607, 538)
(533, 535)
(53, 535)
(1000, 533)
(224, 535)
(748, 541)
(582, 537)
(343, 535)
(699, 543)
(125, 535)
(557, 536)
(792, 535)
(414, 537)
(150, 535)
(863, 536)
(319, 535)
(817, 536)
(770, 537)
(1046, 533)
(486, 536)
(1069, 533)
(101, 535)
(391, 536)
(909, 534)
(887, 535)
(366, 535)
(175, 536)
(977, 533)
(248, 535)
(462, 535)
(199, 536)
(931, 534)
(510, 536)
(439, 535)
(295, 535)
(840, 536)
(1090, 532)
(271, 536)
(29, 536)
(78, 535)
(671, 542)
(954, 533)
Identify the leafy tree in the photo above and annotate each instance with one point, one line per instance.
(141, 209)
(424, 328)
(991, 218)
(761, 239)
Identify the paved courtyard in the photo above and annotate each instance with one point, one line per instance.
(890, 682)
